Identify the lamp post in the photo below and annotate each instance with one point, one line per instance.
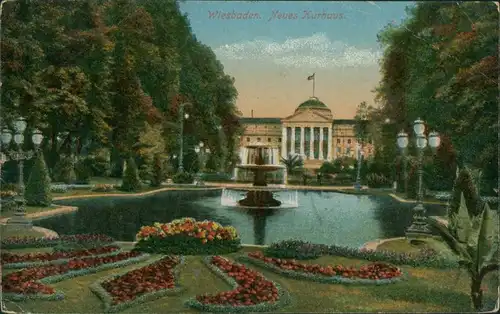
(201, 158)
(182, 116)
(357, 186)
(419, 225)
(20, 156)
(402, 144)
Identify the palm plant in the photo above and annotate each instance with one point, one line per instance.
(293, 163)
(475, 241)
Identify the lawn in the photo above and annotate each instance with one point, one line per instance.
(29, 210)
(8, 231)
(426, 290)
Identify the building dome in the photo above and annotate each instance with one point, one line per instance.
(312, 102)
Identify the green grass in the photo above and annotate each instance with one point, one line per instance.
(8, 231)
(426, 290)
(29, 210)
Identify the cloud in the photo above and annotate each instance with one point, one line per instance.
(316, 51)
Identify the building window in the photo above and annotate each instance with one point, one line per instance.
(349, 141)
(258, 139)
(279, 139)
(269, 139)
(248, 139)
(338, 141)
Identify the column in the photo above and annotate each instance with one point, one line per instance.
(311, 144)
(269, 156)
(330, 139)
(283, 142)
(321, 143)
(292, 147)
(302, 141)
(276, 157)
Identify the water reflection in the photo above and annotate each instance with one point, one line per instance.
(322, 217)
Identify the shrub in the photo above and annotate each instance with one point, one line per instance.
(423, 258)
(7, 199)
(183, 178)
(83, 171)
(59, 188)
(38, 187)
(186, 236)
(375, 180)
(159, 174)
(296, 249)
(64, 171)
(217, 177)
(145, 172)
(103, 188)
(9, 187)
(99, 165)
(7, 194)
(131, 181)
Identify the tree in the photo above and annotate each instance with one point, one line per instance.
(441, 65)
(361, 127)
(159, 172)
(475, 242)
(131, 181)
(38, 187)
(294, 164)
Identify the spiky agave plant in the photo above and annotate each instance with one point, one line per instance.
(475, 241)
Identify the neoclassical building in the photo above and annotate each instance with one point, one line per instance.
(311, 131)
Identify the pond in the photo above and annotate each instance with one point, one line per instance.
(322, 217)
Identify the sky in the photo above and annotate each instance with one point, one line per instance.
(271, 47)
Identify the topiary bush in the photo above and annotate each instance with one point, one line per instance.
(64, 170)
(296, 249)
(83, 171)
(183, 178)
(38, 188)
(131, 181)
(159, 172)
(187, 236)
(375, 180)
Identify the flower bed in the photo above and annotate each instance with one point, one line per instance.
(32, 283)
(376, 273)
(72, 240)
(10, 260)
(304, 250)
(188, 237)
(143, 284)
(251, 291)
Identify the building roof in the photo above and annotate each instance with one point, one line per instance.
(344, 121)
(312, 102)
(247, 120)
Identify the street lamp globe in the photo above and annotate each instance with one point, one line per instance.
(434, 140)
(402, 139)
(20, 125)
(197, 149)
(419, 127)
(201, 144)
(37, 137)
(186, 116)
(174, 156)
(421, 142)
(6, 136)
(18, 138)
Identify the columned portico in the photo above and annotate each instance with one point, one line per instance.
(321, 144)
(330, 139)
(311, 143)
(302, 141)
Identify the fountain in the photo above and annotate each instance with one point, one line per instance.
(259, 195)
